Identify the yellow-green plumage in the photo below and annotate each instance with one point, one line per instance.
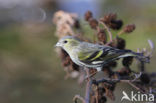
(93, 55)
(98, 55)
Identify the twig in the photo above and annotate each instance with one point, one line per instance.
(94, 36)
(137, 88)
(108, 30)
(111, 81)
(96, 95)
(78, 97)
(121, 32)
(88, 87)
(137, 76)
(151, 44)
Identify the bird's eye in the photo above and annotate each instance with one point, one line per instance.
(65, 41)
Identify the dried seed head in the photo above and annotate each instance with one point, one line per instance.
(102, 37)
(109, 92)
(115, 24)
(121, 43)
(77, 24)
(66, 62)
(111, 87)
(108, 70)
(127, 61)
(92, 71)
(113, 43)
(129, 28)
(63, 54)
(101, 90)
(92, 99)
(145, 78)
(65, 58)
(75, 66)
(112, 64)
(94, 82)
(111, 21)
(88, 15)
(64, 22)
(124, 71)
(103, 99)
(108, 18)
(93, 23)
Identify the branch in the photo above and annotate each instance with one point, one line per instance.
(88, 87)
(111, 81)
(108, 30)
(134, 86)
(88, 90)
(78, 97)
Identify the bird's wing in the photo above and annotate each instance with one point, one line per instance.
(98, 54)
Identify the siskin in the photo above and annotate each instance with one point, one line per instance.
(94, 55)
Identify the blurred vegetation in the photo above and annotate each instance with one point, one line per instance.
(30, 71)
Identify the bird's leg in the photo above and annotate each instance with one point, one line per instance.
(90, 75)
(87, 73)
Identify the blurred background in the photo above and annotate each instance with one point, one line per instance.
(29, 72)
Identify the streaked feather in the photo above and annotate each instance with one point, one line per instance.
(98, 54)
(94, 55)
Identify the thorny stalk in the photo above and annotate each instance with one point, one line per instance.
(98, 90)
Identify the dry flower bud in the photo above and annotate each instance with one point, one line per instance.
(88, 15)
(77, 24)
(64, 22)
(94, 82)
(112, 87)
(63, 54)
(112, 44)
(92, 71)
(103, 99)
(112, 64)
(124, 71)
(93, 99)
(127, 61)
(111, 21)
(145, 78)
(101, 90)
(93, 23)
(108, 18)
(115, 24)
(102, 37)
(129, 28)
(121, 43)
(75, 66)
(109, 91)
(108, 70)
(66, 61)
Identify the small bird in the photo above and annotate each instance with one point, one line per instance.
(94, 55)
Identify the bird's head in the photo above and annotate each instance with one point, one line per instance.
(68, 43)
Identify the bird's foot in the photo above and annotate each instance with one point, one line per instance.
(90, 76)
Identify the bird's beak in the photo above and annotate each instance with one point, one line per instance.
(57, 44)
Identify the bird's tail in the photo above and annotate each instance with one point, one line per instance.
(141, 57)
(138, 56)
